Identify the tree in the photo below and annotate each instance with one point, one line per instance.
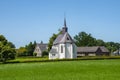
(21, 51)
(100, 42)
(7, 49)
(30, 48)
(84, 39)
(3, 40)
(7, 53)
(11, 44)
(112, 46)
(27, 50)
(51, 40)
(45, 53)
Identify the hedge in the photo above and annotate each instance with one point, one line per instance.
(56, 60)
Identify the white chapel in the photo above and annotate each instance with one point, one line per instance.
(63, 46)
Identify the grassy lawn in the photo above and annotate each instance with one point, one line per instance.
(64, 70)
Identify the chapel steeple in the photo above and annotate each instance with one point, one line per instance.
(64, 29)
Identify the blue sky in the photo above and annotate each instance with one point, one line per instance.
(22, 21)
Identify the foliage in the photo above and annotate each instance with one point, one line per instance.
(21, 51)
(7, 53)
(71, 70)
(100, 42)
(84, 39)
(27, 50)
(45, 53)
(112, 46)
(29, 59)
(7, 49)
(3, 40)
(34, 54)
(11, 44)
(51, 40)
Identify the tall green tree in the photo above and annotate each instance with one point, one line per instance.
(84, 39)
(3, 40)
(7, 49)
(30, 48)
(112, 46)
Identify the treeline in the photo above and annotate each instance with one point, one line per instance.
(27, 50)
(85, 39)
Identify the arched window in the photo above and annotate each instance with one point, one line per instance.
(73, 49)
(61, 49)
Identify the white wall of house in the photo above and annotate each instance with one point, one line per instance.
(54, 55)
(61, 53)
(92, 54)
(38, 51)
(68, 51)
(74, 51)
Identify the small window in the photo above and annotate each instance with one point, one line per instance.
(61, 49)
(67, 38)
(53, 54)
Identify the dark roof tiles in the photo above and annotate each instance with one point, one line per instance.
(91, 49)
(63, 38)
(42, 46)
(53, 50)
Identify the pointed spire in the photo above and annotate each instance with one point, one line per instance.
(41, 42)
(64, 29)
(65, 22)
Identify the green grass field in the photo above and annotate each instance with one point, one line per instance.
(64, 70)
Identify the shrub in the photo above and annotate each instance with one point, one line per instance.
(34, 54)
(44, 53)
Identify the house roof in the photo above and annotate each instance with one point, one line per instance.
(63, 38)
(104, 49)
(53, 50)
(42, 46)
(91, 49)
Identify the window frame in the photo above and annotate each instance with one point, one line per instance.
(61, 48)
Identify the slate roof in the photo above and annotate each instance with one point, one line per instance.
(91, 49)
(63, 38)
(104, 49)
(53, 50)
(42, 46)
